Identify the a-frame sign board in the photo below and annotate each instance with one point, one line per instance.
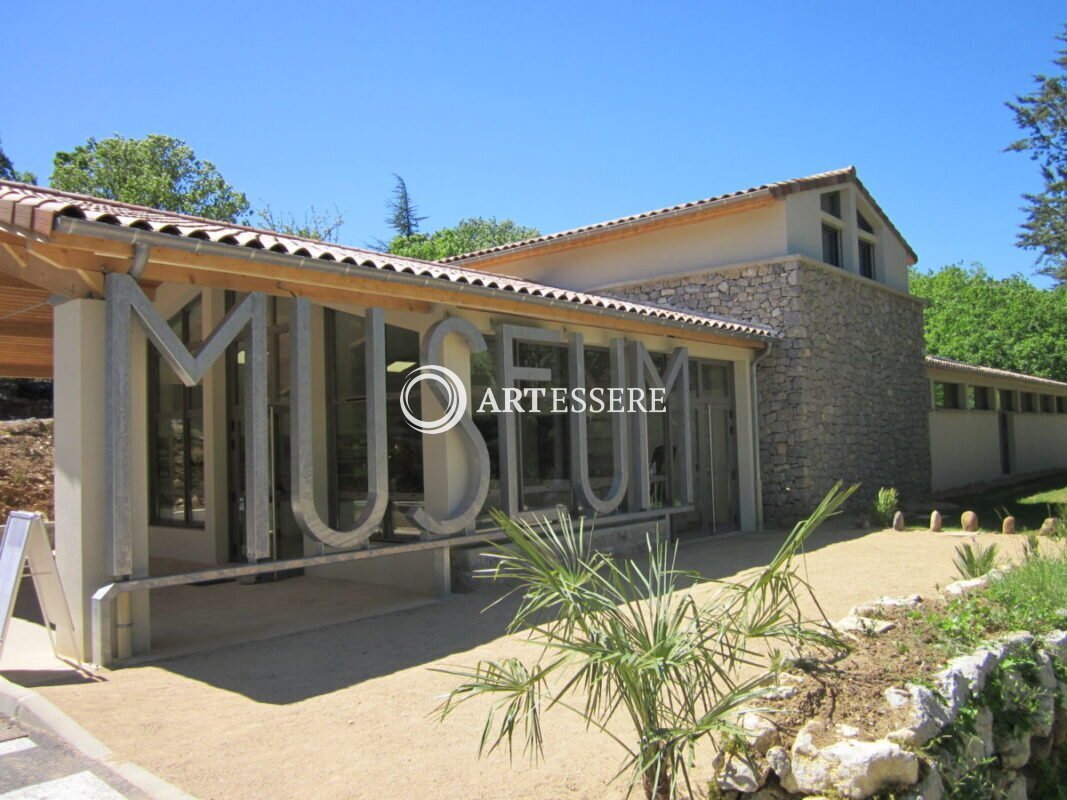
(25, 543)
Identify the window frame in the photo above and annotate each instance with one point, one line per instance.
(827, 228)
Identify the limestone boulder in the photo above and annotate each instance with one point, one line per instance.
(853, 769)
(737, 773)
(926, 718)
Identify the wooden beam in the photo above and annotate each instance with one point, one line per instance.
(25, 370)
(25, 330)
(244, 274)
(20, 265)
(164, 273)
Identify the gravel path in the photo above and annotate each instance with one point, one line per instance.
(343, 712)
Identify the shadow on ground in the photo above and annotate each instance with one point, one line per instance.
(292, 668)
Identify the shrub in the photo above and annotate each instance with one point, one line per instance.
(622, 636)
(885, 506)
(974, 561)
(1031, 597)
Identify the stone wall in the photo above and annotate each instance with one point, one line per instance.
(843, 394)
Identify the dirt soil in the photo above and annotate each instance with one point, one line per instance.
(26, 467)
(344, 712)
(851, 690)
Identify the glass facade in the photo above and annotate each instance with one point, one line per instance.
(176, 433)
(347, 403)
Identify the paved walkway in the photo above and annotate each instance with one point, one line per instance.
(37, 766)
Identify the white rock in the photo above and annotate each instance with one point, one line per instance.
(975, 668)
(778, 759)
(853, 769)
(979, 747)
(760, 733)
(847, 731)
(739, 774)
(1015, 640)
(931, 787)
(1056, 643)
(897, 698)
(955, 690)
(964, 588)
(864, 625)
(926, 718)
(883, 603)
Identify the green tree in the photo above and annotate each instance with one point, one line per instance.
(156, 171)
(1005, 323)
(403, 216)
(321, 225)
(1042, 114)
(473, 233)
(9, 173)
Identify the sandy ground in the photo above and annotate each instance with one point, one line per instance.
(343, 712)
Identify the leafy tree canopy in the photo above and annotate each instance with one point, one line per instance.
(9, 173)
(1042, 115)
(156, 171)
(473, 233)
(1005, 323)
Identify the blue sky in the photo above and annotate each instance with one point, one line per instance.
(553, 114)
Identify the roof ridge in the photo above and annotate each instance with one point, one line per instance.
(849, 171)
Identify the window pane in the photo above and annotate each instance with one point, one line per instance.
(866, 259)
(177, 444)
(831, 203)
(168, 501)
(831, 245)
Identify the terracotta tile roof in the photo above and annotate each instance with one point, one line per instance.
(776, 190)
(991, 372)
(38, 209)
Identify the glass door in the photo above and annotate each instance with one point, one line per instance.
(714, 445)
(287, 541)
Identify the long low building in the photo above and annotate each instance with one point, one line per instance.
(240, 404)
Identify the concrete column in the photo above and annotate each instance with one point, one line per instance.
(82, 541)
(81, 499)
(216, 437)
(746, 456)
(446, 470)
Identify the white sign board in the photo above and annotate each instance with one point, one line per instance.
(25, 543)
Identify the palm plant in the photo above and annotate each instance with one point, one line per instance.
(640, 640)
(974, 561)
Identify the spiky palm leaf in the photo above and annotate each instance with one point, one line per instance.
(649, 641)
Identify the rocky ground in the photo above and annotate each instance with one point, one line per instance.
(26, 465)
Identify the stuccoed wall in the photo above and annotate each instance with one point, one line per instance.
(843, 394)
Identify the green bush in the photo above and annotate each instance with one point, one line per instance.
(1031, 597)
(885, 506)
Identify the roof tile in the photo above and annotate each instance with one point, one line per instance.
(23, 199)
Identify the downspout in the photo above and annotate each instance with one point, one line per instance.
(755, 433)
(140, 260)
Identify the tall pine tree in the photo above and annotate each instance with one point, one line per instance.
(1042, 115)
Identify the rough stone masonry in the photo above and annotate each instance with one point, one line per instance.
(843, 395)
